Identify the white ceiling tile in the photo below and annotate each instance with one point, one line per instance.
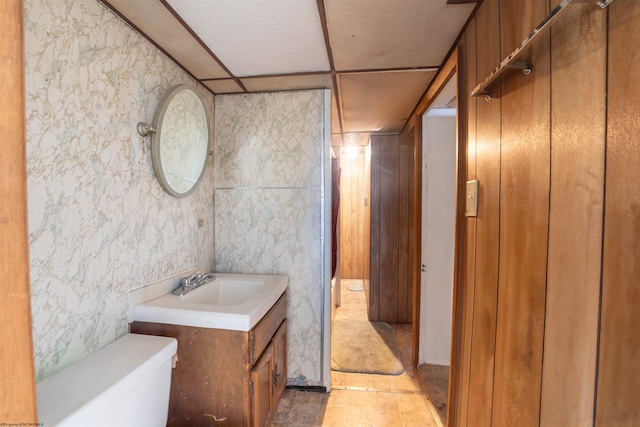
(380, 101)
(381, 34)
(259, 37)
(159, 24)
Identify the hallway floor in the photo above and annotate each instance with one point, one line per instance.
(362, 399)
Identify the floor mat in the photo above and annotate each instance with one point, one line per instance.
(365, 347)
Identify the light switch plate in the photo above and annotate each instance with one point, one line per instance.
(471, 207)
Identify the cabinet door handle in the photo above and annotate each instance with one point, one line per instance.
(275, 370)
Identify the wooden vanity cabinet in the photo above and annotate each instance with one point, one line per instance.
(223, 377)
(268, 379)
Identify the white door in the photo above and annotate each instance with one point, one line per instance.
(438, 223)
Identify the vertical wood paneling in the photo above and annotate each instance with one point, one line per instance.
(417, 241)
(389, 227)
(17, 377)
(458, 412)
(488, 224)
(524, 217)
(575, 222)
(407, 306)
(618, 391)
(391, 252)
(352, 227)
(541, 141)
(404, 262)
(374, 280)
(405, 223)
(357, 208)
(366, 239)
(353, 221)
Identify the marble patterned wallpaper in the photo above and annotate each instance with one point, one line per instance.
(100, 224)
(268, 214)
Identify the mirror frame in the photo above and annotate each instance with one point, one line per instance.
(156, 139)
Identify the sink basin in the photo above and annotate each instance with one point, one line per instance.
(233, 301)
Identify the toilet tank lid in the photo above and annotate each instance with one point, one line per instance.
(95, 382)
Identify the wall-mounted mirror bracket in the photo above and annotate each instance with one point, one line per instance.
(514, 61)
(145, 129)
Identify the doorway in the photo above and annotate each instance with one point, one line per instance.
(399, 387)
(439, 144)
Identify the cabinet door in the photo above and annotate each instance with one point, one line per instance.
(280, 363)
(262, 389)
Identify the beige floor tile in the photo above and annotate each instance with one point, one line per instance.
(412, 403)
(386, 399)
(383, 382)
(407, 383)
(417, 419)
(361, 399)
(337, 397)
(333, 415)
(387, 418)
(351, 380)
(358, 416)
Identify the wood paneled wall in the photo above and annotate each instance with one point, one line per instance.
(392, 229)
(618, 398)
(366, 274)
(552, 261)
(353, 230)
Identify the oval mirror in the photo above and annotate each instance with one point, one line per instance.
(180, 145)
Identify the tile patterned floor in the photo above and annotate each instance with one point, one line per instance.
(362, 399)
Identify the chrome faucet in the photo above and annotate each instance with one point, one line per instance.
(192, 282)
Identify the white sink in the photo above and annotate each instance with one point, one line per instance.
(232, 301)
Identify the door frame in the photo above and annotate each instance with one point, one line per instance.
(17, 375)
(454, 65)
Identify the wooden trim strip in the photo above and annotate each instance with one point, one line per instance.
(263, 76)
(417, 241)
(388, 70)
(444, 73)
(17, 376)
(203, 44)
(149, 39)
(459, 252)
(322, 14)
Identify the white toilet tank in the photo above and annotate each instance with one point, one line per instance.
(126, 383)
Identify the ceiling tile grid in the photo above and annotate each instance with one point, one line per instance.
(160, 25)
(384, 53)
(259, 37)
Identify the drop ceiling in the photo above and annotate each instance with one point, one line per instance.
(376, 56)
